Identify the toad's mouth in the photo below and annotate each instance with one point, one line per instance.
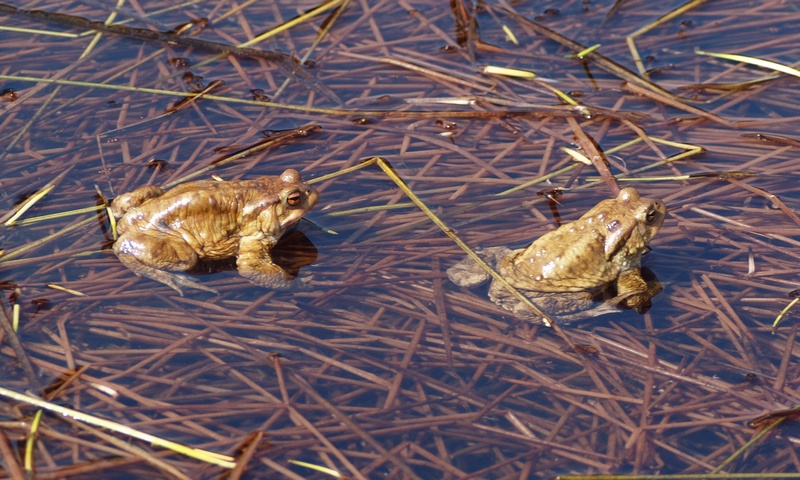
(291, 220)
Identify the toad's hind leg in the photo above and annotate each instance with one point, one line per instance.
(152, 255)
(468, 273)
(126, 201)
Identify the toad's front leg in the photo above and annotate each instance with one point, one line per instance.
(255, 264)
(633, 291)
(152, 254)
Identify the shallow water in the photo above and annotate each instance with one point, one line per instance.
(383, 367)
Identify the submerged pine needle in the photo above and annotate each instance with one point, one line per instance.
(318, 468)
(510, 35)
(576, 155)
(673, 101)
(15, 316)
(30, 202)
(327, 25)
(22, 208)
(466, 100)
(689, 151)
(374, 208)
(38, 32)
(428, 70)
(199, 454)
(270, 142)
(584, 53)
(292, 23)
(30, 442)
(598, 59)
(630, 39)
(527, 109)
(538, 180)
(508, 72)
(54, 216)
(98, 35)
(568, 100)
(759, 62)
(783, 313)
(37, 243)
(65, 289)
(109, 214)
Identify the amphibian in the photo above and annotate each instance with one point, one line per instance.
(165, 232)
(596, 258)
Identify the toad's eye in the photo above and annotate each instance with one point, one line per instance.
(294, 199)
(651, 216)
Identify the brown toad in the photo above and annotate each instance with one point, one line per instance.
(595, 258)
(161, 232)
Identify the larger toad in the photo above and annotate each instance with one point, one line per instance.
(164, 232)
(565, 271)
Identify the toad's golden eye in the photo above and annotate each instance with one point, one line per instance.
(294, 199)
(651, 215)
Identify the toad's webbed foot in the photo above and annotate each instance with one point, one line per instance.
(186, 281)
(270, 275)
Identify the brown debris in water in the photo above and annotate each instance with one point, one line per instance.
(384, 368)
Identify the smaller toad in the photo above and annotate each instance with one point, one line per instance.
(164, 232)
(596, 258)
